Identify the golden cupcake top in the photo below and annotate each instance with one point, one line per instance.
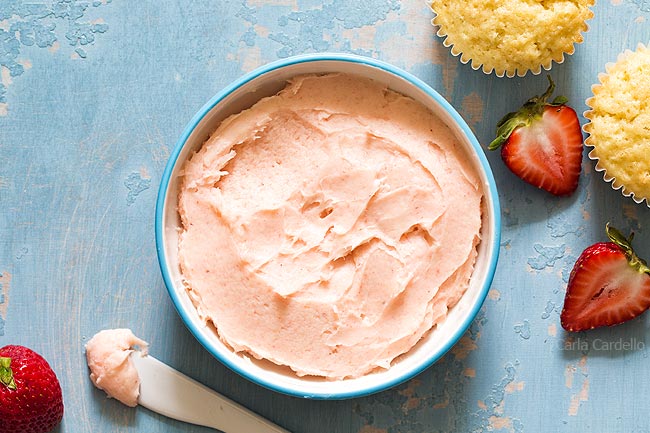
(511, 36)
(619, 130)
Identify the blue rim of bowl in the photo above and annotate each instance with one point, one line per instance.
(166, 177)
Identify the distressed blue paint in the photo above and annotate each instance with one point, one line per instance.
(523, 329)
(644, 5)
(547, 256)
(560, 226)
(510, 219)
(358, 14)
(3, 300)
(494, 401)
(82, 254)
(34, 33)
(35, 24)
(305, 30)
(10, 50)
(442, 400)
(550, 307)
(248, 14)
(249, 37)
(567, 267)
(135, 184)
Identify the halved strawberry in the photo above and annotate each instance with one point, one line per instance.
(542, 143)
(609, 284)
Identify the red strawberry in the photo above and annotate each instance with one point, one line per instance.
(609, 284)
(542, 143)
(30, 393)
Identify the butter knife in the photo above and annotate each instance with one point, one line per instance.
(170, 393)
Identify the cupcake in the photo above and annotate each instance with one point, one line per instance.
(511, 36)
(619, 124)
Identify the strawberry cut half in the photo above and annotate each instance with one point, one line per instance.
(542, 143)
(609, 284)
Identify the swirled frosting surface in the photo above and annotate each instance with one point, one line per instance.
(329, 227)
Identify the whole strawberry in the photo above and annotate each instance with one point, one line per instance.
(609, 284)
(542, 143)
(30, 393)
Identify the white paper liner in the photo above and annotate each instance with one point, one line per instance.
(476, 65)
(591, 142)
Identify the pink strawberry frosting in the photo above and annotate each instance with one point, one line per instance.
(330, 227)
(111, 369)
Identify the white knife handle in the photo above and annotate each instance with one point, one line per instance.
(171, 393)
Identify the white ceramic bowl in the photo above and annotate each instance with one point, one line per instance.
(242, 94)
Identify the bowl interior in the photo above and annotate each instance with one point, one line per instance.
(242, 95)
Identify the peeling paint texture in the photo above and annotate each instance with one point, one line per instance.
(560, 227)
(306, 30)
(547, 256)
(523, 329)
(644, 5)
(582, 393)
(42, 25)
(94, 94)
(550, 308)
(493, 416)
(135, 184)
(439, 401)
(5, 282)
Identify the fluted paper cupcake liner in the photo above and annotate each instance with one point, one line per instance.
(545, 62)
(592, 140)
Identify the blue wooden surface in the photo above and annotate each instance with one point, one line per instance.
(92, 98)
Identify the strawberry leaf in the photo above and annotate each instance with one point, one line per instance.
(505, 129)
(547, 94)
(559, 100)
(6, 374)
(625, 244)
(530, 111)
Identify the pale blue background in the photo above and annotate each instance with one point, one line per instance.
(94, 95)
